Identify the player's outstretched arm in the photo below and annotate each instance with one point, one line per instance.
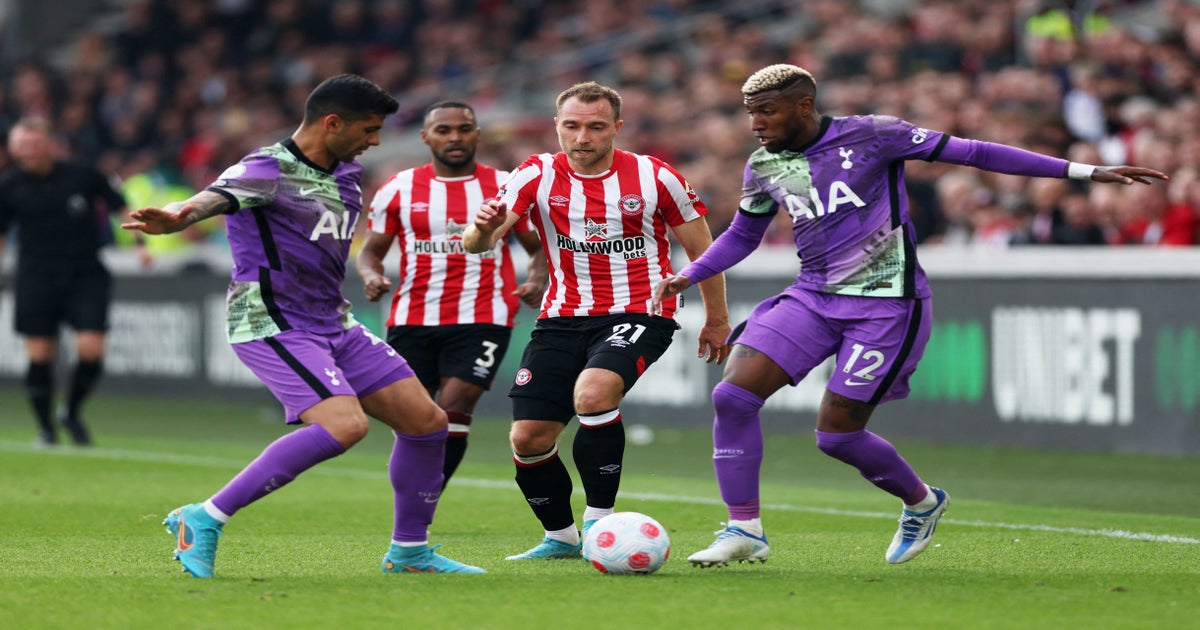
(369, 264)
(695, 237)
(178, 215)
(492, 220)
(1126, 175)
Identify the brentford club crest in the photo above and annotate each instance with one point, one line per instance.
(524, 376)
(632, 205)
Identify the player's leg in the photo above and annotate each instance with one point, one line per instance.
(87, 304)
(470, 355)
(415, 471)
(391, 393)
(620, 349)
(458, 398)
(750, 378)
(765, 357)
(542, 406)
(599, 446)
(298, 369)
(880, 352)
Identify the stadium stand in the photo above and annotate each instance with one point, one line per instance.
(197, 84)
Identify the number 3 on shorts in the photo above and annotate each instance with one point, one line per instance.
(489, 355)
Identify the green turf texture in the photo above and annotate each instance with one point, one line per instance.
(1033, 539)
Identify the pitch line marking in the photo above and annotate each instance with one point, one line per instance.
(217, 462)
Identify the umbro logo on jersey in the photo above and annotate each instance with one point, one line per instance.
(559, 201)
(420, 206)
(610, 469)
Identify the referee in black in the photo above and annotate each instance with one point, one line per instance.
(60, 211)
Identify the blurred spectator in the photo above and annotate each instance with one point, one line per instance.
(1156, 221)
(1078, 225)
(201, 83)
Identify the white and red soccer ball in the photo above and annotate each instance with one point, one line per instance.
(627, 543)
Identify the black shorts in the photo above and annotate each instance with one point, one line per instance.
(51, 293)
(560, 348)
(471, 352)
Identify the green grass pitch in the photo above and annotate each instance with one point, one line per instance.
(1033, 539)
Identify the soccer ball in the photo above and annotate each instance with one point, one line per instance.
(627, 542)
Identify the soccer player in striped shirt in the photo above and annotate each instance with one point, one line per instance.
(603, 215)
(860, 296)
(452, 311)
(290, 213)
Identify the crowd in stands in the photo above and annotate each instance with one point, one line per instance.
(178, 88)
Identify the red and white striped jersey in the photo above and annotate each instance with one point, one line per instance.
(605, 235)
(439, 281)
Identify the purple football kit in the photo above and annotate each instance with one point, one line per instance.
(844, 192)
(860, 296)
(287, 318)
(289, 323)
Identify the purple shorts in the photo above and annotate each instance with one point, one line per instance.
(303, 368)
(877, 341)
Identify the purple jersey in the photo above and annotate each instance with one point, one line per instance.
(845, 193)
(290, 239)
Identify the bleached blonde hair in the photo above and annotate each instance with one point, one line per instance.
(778, 77)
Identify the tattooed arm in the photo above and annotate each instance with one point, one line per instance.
(178, 215)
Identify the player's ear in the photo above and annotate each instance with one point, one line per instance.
(332, 123)
(805, 103)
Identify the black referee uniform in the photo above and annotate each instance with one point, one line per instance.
(61, 222)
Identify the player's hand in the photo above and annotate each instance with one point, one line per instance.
(668, 287)
(530, 293)
(491, 215)
(1126, 175)
(713, 342)
(159, 220)
(377, 287)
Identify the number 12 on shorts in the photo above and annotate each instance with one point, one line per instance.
(871, 359)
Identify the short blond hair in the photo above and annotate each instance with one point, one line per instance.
(780, 76)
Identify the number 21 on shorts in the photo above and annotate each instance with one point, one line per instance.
(619, 339)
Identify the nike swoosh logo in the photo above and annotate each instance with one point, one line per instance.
(184, 545)
(308, 191)
(857, 383)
